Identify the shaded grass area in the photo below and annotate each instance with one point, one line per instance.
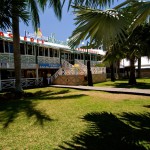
(12, 106)
(58, 118)
(108, 132)
(143, 83)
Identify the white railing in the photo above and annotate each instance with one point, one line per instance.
(66, 64)
(81, 66)
(56, 75)
(93, 63)
(98, 70)
(28, 59)
(78, 69)
(7, 84)
(44, 59)
(6, 57)
(65, 70)
(25, 82)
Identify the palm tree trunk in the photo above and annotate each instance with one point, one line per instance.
(112, 72)
(89, 74)
(17, 58)
(139, 67)
(132, 79)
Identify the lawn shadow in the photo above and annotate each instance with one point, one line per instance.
(139, 85)
(10, 106)
(106, 131)
(58, 95)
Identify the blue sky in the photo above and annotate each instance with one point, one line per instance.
(50, 24)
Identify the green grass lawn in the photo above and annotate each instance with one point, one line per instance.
(58, 118)
(143, 83)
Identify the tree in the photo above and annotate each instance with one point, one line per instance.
(32, 6)
(107, 27)
(113, 56)
(144, 44)
(13, 10)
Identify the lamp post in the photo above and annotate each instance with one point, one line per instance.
(89, 73)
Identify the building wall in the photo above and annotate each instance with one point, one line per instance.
(145, 73)
(99, 78)
(78, 79)
(70, 80)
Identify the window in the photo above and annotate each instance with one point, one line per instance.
(76, 56)
(29, 50)
(82, 56)
(51, 52)
(55, 53)
(6, 47)
(79, 56)
(46, 51)
(1, 46)
(41, 51)
(11, 49)
(66, 56)
(22, 49)
(62, 55)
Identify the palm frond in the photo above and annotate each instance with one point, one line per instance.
(101, 27)
(57, 7)
(12, 7)
(5, 14)
(42, 4)
(142, 14)
(20, 10)
(33, 8)
(92, 3)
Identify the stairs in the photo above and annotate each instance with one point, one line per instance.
(77, 69)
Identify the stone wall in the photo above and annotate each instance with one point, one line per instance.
(78, 79)
(145, 73)
(99, 78)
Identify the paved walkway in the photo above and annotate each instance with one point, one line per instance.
(145, 92)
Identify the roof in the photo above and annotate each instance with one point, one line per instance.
(56, 44)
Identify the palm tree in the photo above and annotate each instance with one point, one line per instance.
(144, 44)
(13, 9)
(14, 15)
(107, 26)
(33, 8)
(113, 57)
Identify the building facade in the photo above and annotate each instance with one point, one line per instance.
(43, 59)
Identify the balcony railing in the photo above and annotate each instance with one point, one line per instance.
(25, 82)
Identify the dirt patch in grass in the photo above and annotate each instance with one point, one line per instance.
(112, 96)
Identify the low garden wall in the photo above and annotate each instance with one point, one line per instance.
(78, 79)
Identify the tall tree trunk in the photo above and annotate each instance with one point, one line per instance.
(139, 67)
(112, 72)
(132, 78)
(89, 74)
(117, 69)
(17, 57)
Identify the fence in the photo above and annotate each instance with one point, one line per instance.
(25, 82)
